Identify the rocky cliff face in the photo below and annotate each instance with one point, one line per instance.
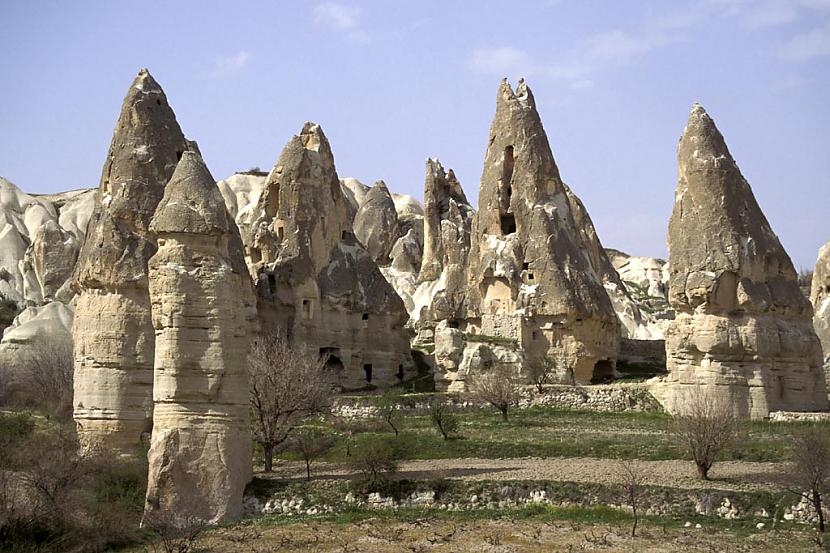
(40, 237)
(820, 297)
(315, 280)
(112, 328)
(200, 453)
(647, 281)
(742, 327)
(530, 278)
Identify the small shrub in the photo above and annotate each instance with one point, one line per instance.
(15, 429)
(375, 458)
(543, 371)
(44, 378)
(311, 444)
(500, 388)
(8, 311)
(63, 499)
(444, 420)
(809, 470)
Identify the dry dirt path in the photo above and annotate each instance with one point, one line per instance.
(725, 475)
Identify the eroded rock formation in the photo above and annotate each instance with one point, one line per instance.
(743, 327)
(448, 218)
(376, 223)
(530, 277)
(112, 328)
(203, 308)
(315, 280)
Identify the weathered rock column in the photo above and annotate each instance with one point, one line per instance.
(203, 306)
(820, 296)
(743, 328)
(112, 331)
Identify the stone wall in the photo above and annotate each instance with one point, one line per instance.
(600, 398)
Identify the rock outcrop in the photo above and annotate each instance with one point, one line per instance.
(530, 277)
(743, 328)
(203, 309)
(448, 217)
(40, 236)
(113, 330)
(315, 280)
(646, 280)
(376, 223)
(820, 297)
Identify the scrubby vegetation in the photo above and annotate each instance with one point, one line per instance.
(56, 498)
(8, 311)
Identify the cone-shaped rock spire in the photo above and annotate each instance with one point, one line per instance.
(529, 277)
(743, 327)
(112, 329)
(203, 306)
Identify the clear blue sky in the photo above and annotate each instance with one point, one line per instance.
(395, 82)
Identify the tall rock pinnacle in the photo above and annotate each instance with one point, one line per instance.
(443, 199)
(743, 327)
(529, 277)
(112, 330)
(200, 452)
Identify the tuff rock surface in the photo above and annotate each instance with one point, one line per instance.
(40, 236)
(113, 330)
(376, 223)
(448, 218)
(647, 281)
(315, 281)
(203, 307)
(820, 297)
(742, 328)
(530, 277)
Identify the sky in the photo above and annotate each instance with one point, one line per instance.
(395, 82)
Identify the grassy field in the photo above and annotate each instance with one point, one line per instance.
(543, 432)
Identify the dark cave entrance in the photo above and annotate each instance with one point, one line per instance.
(603, 372)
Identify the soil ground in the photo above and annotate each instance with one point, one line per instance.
(725, 475)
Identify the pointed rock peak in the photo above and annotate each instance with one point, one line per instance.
(312, 137)
(434, 167)
(192, 202)
(521, 98)
(701, 137)
(145, 82)
(380, 185)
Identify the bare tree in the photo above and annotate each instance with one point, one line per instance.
(543, 371)
(706, 425)
(311, 444)
(44, 377)
(442, 417)
(389, 409)
(286, 386)
(499, 387)
(809, 468)
(633, 481)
